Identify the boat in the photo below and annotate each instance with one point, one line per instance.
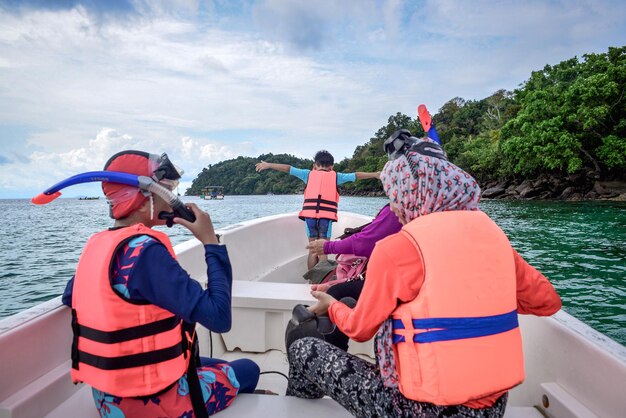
(571, 369)
(89, 198)
(212, 193)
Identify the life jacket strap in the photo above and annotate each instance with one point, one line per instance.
(319, 208)
(132, 360)
(126, 334)
(318, 205)
(320, 200)
(74, 353)
(448, 329)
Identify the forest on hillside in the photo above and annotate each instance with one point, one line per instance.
(562, 133)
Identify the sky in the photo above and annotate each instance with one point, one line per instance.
(206, 81)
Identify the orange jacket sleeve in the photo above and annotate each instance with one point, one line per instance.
(535, 294)
(391, 278)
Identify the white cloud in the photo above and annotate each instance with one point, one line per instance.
(43, 169)
(231, 84)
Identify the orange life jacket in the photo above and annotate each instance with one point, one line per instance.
(120, 347)
(459, 339)
(321, 198)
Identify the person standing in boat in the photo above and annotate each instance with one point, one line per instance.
(134, 308)
(362, 243)
(321, 197)
(443, 293)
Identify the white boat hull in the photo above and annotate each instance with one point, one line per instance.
(573, 369)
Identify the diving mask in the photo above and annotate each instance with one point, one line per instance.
(402, 142)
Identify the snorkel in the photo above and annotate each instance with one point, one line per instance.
(142, 182)
(401, 142)
(427, 123)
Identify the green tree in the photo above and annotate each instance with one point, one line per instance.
(571, 115)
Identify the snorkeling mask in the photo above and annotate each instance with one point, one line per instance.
(165, 179)
(167, 173)
(402, 142)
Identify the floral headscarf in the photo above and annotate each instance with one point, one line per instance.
(420, 184)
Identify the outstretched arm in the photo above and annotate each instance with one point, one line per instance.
(278, 167)
(361, 175)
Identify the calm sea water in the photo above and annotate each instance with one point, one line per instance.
(580, 246)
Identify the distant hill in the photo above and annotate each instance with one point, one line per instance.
(562, 134)
(238, 176)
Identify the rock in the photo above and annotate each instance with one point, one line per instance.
(575, 197)
(529, 191)
(566, 193)
(492, 192)
(540, 183)
(525, 184)
(504, 184)
(577, 178)
(511, 190)
(614, 186)
(590, 195)
(600, 189)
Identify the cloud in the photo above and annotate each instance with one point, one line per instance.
(42, 169)
(206, 81)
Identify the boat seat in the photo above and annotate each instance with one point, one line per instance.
(261, 311)
(79, 404)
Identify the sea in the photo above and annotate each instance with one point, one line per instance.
(579, 246)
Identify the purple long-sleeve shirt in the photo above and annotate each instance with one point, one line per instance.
(362, 243)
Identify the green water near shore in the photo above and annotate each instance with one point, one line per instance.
(579, 246)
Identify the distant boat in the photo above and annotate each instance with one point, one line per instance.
(89, 198)
(212, 193)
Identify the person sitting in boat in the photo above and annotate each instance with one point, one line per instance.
(321, 198)
(444, 294)
(360, 244)
(134, 308)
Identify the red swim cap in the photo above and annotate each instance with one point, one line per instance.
(123, 199)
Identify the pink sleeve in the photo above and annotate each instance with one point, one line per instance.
(535, 294)
(389, 280)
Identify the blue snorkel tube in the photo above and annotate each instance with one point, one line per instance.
(142, 182)
(427, 123)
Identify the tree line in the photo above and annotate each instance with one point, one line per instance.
(566, 119)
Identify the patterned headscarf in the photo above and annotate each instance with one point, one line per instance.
(419, 184)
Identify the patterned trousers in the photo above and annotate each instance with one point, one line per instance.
(318, 369)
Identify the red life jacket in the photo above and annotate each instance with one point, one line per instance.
(120, 347)
(459, 339)
(321, 198)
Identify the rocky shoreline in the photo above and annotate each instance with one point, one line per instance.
(575, 187)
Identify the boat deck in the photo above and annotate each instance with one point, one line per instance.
(252, 405)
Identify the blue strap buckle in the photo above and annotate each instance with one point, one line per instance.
(447, 329)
